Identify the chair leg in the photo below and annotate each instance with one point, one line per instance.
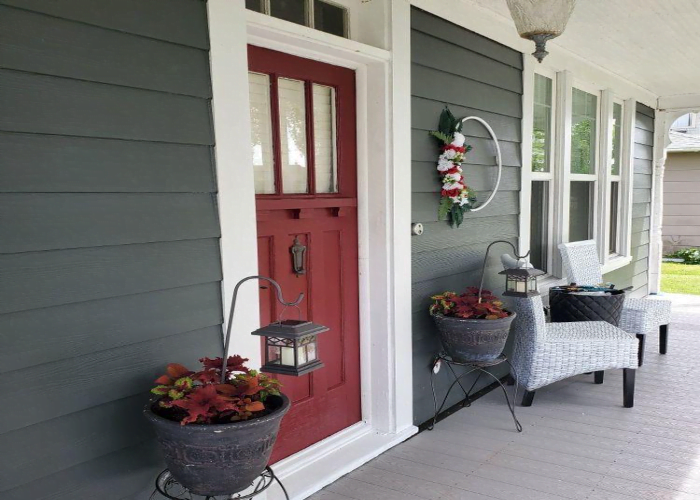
(642, 337)
(598, 377)
(510, 380)
(663, 339)
(527, 398)
(628, 375)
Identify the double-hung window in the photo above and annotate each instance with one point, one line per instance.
(577, 180)
(583, 165)
(542, 176)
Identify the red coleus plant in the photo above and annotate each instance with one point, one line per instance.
(200, 398)
(468, 306)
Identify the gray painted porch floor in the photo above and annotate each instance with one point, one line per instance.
(578, 441)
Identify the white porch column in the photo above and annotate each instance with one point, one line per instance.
(661, 141)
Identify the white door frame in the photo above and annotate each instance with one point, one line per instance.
(383, 124)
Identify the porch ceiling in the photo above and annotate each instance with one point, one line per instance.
(650, 43)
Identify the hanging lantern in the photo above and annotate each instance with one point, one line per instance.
(291, 347)
(540, 20)
(521, 282)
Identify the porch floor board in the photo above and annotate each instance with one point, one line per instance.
(578, 441)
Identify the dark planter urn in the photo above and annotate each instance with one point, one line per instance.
(473, 340)
(219, 459)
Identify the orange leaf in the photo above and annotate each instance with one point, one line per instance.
(176, 370)
(226, 389)
(163, 380)
(255, 406)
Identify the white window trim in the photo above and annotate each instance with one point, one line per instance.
(560, 175)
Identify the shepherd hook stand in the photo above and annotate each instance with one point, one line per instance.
(475, 366)
(168, 487)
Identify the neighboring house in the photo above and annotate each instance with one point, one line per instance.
(153, 153)
(681, 221)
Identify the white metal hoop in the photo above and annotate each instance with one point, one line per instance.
(498, 159)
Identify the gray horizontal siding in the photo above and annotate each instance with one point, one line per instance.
(109, 241)
(45, 163)
(636, 273)
(487, 82)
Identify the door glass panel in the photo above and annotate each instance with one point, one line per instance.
(256, 5)
(289, 10)
(583, 132)
(542, 124)
(261, 133)
(329, 18)
(616, 139)
(581, 211)
(325, 158)
(292, 106)
(539, 224)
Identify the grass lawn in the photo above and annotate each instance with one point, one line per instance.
(680, 278)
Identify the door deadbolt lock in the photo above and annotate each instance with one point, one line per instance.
(417, 229)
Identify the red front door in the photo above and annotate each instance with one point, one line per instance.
(304, 156)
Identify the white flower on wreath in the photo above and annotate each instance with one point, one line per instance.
(450, 154)
(458, 140)
(453, 177)
(444, 164)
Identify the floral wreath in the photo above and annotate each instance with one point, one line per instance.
(456, 197)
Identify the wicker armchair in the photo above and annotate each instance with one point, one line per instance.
(639, 315)
(544, 353)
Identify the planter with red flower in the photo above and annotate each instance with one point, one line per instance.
(472, 329)
(216, 430)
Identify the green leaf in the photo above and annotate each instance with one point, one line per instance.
(440, 136)
(444, 208)
(446, 125)
(161, 390)
(457, 215)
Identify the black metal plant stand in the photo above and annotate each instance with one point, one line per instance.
(169, 487)
(475, 367)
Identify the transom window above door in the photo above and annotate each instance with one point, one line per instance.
(322, 15)
(294, 135)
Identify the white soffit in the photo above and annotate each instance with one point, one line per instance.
(651, 43)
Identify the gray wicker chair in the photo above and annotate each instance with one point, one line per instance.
(544, 353)
(639, 315)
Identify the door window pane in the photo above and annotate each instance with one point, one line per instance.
(256, 5)
(289, 10)
(614, 216)
(542, 124)
(539, 224)
(292, 106)
(329, 18)
(581, 211)
(583, 132)
(616, 139)
(261, 133)
(325, 158)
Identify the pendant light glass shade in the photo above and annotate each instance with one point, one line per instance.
(540, 20)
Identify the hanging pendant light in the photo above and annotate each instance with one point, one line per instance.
(540, 20)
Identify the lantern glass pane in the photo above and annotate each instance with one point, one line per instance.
(301, 355)
(273, 354)
(533, 284)
(288, 356)
(311, 351)
(520, 286)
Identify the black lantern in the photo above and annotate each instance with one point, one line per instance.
(521, 282)
(291, 346)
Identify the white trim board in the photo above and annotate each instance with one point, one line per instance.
(384, 198)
